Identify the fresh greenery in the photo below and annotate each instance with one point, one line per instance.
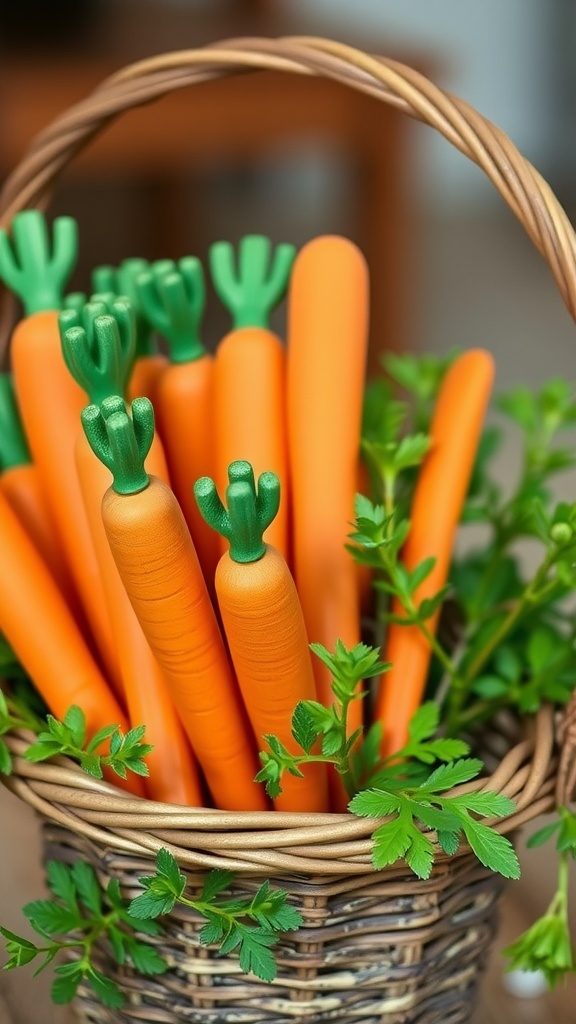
(73, 924)
(547, 946)
(69, 739)
(14, 715)
(249, 925)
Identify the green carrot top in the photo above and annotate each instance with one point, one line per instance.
(249, 511)
(13, 445)
(122, 282)
(252, 287)
(98, 341)
(173, 299)
(35, 270)
(121, 442)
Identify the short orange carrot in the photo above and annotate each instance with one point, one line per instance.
(249, 373)
(101, 368)
(173, 302)
(159, 568)
(263, 621)
(148, 362)
(327, 344)
(436, 508)
(41, 630)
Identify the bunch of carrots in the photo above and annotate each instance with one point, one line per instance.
(173, 526)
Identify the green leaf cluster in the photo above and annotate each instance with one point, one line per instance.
(77, 919)
(249, 925)
(69, 739)
(14, 715)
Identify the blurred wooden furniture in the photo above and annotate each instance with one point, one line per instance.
(168, 142)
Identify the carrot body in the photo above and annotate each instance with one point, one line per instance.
(327, 343)
(436, 507)
(159, 567)
(145, 376)
(40, 628)
(185, 412)
(266, 635)
(50, 403)
(250, 414)
(173, 777)
(22, 488)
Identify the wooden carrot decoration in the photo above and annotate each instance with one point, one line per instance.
(21, 486)
(148, 362)
(263, 621)
(158, 565)
(173, 301)
(436, 507)
(327, 344)
(41, 630)
(249, 382)
(101, 367)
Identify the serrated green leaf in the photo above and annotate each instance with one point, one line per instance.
(42, 750)
(91, 764)
(87, 886)
(304, 729)
(487, 804)
(63, 989)
(118, 943)
(75, 721)
(255, 954)
(61, 882)
(390, 843)
(213, 931)
(456, 773)
(331, 742)
(116, 742)
(490, 687)
(447, 749)
(420, 855)
(375, 803)
(492, 850)
(149, 905)
(146, 959)
(543, 835)
(216, 881)
(100, 737)
(107, 991)
(167, 866)
(449, 842)
(49, 918)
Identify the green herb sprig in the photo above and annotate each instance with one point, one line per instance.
(547, 946)
(14, 715)
(74, 923)
(69, 739)
(250, 925)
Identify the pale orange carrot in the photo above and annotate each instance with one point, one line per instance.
(436, 508)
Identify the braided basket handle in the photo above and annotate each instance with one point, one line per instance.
(521, 186)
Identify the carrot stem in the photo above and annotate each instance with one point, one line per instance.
(249, 513)
(251, 288)
(32, 268)
(121, 444)
(98, 346)
(173, 300)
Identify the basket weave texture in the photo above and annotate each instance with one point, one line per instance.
(375, 946)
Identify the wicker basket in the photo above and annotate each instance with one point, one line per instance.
(374, 946)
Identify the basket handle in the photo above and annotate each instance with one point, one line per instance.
(522, 187)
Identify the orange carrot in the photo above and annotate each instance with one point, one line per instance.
(249, 373)
(327, 342)
(263, 621)
(39, 627)
(436, 507)
(21, 486)
(173, 778)
(173, 301)
(158, 565)
(50, 402)
(148, 363)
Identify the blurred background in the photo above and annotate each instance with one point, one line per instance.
(449, 265)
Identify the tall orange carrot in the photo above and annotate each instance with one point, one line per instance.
(158, 565)
(50, 401)
(22, 488)
(249, 373)
(101, 368)
(436, 508)
(263, 621)
(173, 299)
(327, 344)
(148, 362)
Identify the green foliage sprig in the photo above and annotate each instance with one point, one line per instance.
(250, 926)
(73, 924)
